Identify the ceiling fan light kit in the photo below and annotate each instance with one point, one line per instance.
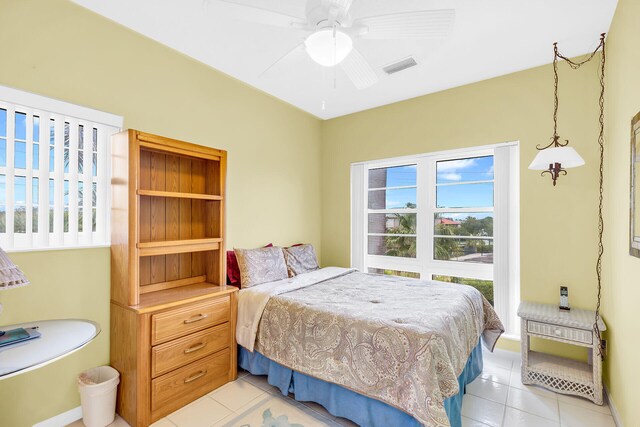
(334, 32)
(328, 47)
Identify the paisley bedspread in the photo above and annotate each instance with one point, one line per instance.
(401, 341)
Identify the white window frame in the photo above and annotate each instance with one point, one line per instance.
(505, 271)
(13, 100)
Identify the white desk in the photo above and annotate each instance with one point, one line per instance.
(58, 339)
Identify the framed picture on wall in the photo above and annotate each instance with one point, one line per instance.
(634, 221)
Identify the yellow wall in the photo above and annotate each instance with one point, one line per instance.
(60, 50)
(622, 271)
(558, 224)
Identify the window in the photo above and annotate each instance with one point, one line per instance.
(54, 172)
(449, 216)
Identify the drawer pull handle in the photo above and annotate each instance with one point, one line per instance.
(195, 347)
(196, 318)
(195, 376)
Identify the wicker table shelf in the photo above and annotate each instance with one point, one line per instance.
(560, 374)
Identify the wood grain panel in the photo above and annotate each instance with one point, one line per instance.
(143, 338)
(158, 215)
(178, 297)
(145, 214)
(221, 220)
(168, 214)
(190, 318)
(198, 185)
(176, 353)
(233, 357)
(213, 184)
(166, 143)
(175, 389)
(155, 287)
(123, 216)
(177, 195)
(185, 216)
(174, 150)
(172, 180)
(124, 356)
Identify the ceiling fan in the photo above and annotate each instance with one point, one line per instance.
(330, 30)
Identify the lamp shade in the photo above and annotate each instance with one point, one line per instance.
(328, 47)
(566, 156)
(10, 274)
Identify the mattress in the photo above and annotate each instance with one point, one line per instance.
(401, 341)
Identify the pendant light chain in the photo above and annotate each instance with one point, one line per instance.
(596, 328)
(576, 65)
(555, 93)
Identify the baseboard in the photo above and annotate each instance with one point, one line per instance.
(63, 419)
(612, 406)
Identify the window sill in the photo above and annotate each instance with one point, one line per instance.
(58, 248)
(512, 337)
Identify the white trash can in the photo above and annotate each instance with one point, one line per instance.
(98, 388)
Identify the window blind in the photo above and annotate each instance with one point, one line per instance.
(54, 174)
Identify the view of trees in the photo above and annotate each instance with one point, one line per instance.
(445, 248)
(399, 245)
(451, 248)
(484, 286)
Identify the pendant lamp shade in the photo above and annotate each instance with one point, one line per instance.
(568, 157)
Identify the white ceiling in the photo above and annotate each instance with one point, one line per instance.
(490, 38)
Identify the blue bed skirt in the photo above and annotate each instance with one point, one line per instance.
(345, 403)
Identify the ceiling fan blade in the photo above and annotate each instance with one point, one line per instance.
(422, 24)
(358, 70)
(297, 49)
(343, 5)
(259, 15)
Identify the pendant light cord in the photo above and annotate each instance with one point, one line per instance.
(575, 66)
(555, 93)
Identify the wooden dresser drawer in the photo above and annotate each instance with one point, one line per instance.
(173, 390)
(173, 354)
(187, 319)
(560, 332)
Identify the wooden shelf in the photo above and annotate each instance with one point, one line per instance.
(178, 246)
(180, 150)
(174, 194)
(168, 298)
(160, 286)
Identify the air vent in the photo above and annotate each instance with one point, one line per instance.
(403, 64)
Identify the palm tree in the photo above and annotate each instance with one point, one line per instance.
(402, 246)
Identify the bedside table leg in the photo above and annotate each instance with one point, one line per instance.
(524, 350)
(597, 372)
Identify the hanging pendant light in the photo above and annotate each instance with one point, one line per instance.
(556, 157)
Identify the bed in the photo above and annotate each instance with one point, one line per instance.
(376, 349)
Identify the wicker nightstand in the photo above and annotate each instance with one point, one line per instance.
(557, 373)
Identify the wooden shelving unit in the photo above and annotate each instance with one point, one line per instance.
(168, 271)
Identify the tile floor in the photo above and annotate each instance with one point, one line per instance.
(496, 398)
